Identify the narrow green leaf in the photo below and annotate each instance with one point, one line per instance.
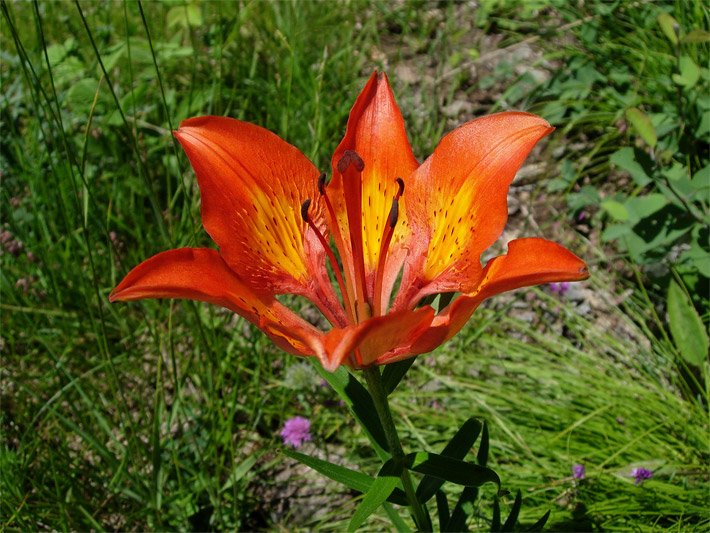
(359, 401)
(514, 513)
(669, 26)
(686, 326)
(457, 448)
(463, 509)
(537, 526)
(449, 469)
(350, 478)
(399, 524)
(442, 509)
(643, 126)
(381, 488)
(394, 372)
(495, 520)
(482, 456)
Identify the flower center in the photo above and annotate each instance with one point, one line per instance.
(358, 302)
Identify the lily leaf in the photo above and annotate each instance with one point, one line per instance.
(686, 326)
(457, 448)
(350, 478)
(380, 490)
(537, 526)
(514, 512)
(359, 401)
(450, 469)
(482, 456)
(442, 509)
(394, 372)
(463, 509)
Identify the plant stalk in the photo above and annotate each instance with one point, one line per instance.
(379, 396)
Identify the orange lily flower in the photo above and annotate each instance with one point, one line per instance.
(272, 216)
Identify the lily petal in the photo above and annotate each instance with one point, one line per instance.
(376, 336)
(376, 132)
(252, 185)
(201, 274)
(458, 201)
(529, 261)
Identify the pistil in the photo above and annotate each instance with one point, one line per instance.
(351, 166)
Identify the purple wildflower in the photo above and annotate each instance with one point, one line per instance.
(641, 474)
(560, 288)
(579, 471)
(296, 431)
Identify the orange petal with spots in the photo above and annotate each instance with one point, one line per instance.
(529, 261)
(458, 200)
(376, 132)
(252, 185)
(201, 274)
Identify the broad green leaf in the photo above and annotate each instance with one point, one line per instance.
(689, 72)
(381, 488)
(457, 448)
(644, 206)
(643, 126)
(687, 329)
(616, 210)
(696, 37)
(194, 14)
(359, 401)
(669, 26)
(625, 159)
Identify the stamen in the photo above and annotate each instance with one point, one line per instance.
(384, 248)
(339, 242)
(331, 257)
(350, 166)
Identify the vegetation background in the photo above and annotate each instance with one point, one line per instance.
(166, 414)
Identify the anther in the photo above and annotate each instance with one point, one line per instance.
(304, 209)
(394, 213)
(400, 182)
(350, 157)
(321, 184)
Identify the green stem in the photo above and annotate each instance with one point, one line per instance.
(379, 396)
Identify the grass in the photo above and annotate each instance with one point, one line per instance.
(165, 415)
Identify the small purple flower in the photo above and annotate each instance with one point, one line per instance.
(579, 471)
(560, 288)
(641, 474)
(296, 431)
